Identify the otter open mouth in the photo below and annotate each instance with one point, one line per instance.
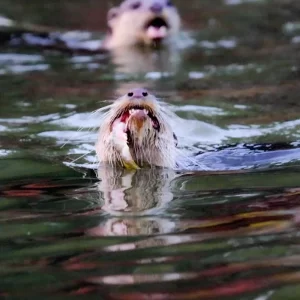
(157, 28)
(137, 111)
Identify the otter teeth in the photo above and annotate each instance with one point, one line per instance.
(133, 110)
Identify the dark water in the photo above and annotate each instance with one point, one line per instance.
(226, 228)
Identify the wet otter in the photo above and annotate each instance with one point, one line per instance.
(135, 132)
(144, 22)
(133, 22)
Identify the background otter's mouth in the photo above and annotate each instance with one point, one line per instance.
(157, 28)
(137, 111)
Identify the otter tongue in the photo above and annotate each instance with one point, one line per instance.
(157, 32)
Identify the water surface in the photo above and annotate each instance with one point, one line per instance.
(225, 227)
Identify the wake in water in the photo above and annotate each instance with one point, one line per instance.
(201, 146)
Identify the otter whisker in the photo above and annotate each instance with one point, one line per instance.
(82, 156)
(76, 133)
(88, 129)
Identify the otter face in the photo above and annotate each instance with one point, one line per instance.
(142, 22)
(137, 122)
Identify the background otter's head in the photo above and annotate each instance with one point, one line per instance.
(149, 135)
(145, 22)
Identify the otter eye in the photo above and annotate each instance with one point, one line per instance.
(145, 94)
(112, 13)
(170, 3)
(135, 5)
(112, 16)
(130, 94)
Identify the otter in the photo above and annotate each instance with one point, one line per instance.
(135, 133)
(133, 22)
(142, 22)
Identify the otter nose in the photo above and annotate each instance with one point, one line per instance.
(156, 8)
(137, 93)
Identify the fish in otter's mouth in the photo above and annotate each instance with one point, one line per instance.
(138, 113)
(135, 132)
(157, 28)
(132, 129)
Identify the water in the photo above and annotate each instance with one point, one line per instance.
(223, 228)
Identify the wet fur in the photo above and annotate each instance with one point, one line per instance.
(151, 148)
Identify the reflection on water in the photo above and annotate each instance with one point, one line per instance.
(133, 60)
(142, 191)
(202, 235)
(224, 227)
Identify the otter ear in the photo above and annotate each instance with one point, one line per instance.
(112, 13)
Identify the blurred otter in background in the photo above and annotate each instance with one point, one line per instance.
(136, 27)
(142, 22)
(133, 22)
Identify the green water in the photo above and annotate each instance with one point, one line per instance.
(224, 228)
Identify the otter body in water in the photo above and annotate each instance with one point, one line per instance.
(142, 22)
(135, 132)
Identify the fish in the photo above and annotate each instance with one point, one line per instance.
(119, 136)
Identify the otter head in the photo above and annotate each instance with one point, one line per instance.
(142, 126)
(146, 22)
